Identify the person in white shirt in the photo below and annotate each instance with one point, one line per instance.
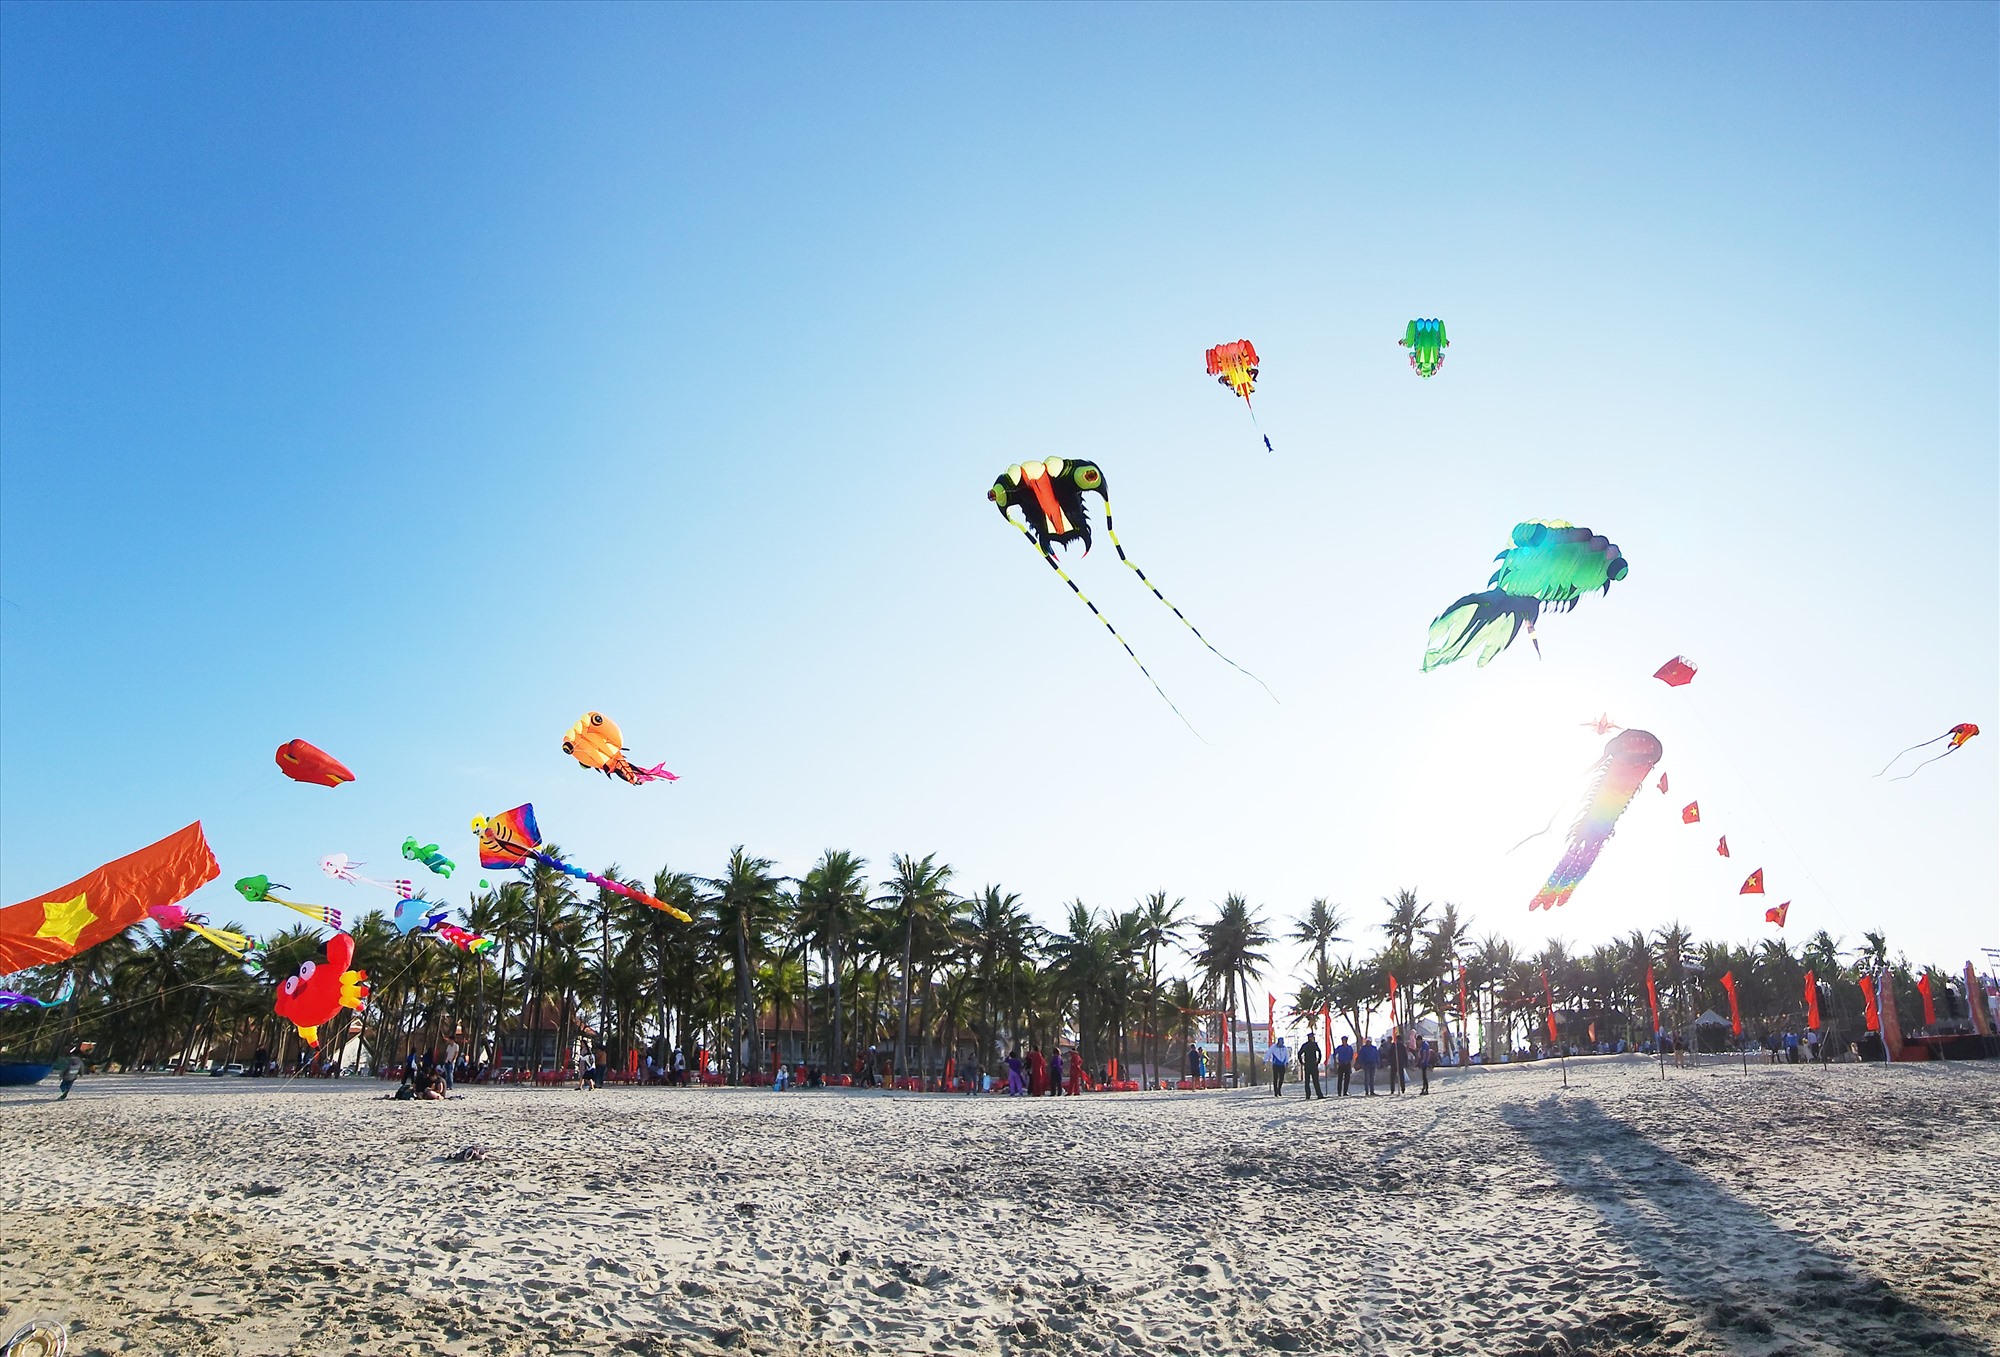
(1281, 1061)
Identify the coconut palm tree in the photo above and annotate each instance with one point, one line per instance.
(917, 898)
(1231, 956)
(832, 897)
(745, 903)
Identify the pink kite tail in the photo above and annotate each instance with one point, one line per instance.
(657, 773)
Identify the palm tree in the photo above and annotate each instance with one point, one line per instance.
(917, 898)
(745, 903)
(1232, 955)
(832, 897)
(1160, 925)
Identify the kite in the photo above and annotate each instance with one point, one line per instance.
(1776, 914)
(1753, 884)
(1426, 341)
(341, 867)
(1627, 759)
(434, 919)
(14, 998)
(1552, 564)
(1691, 813)
(317, 992)
(1958, 735)
(429, 855)
(1049, 495)
(302, 762)
(1663, 784)
(595, 742)
(173, 917)
(512, 839)
(56, 925)
(257, 890)
(1722, 846)
(1677, 672)
(1604, 725)
(1234, 365)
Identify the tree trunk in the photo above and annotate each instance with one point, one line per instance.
(903, 1038)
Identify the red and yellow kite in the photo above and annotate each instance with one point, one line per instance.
(57, 924)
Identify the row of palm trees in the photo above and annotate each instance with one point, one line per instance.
(835, 965)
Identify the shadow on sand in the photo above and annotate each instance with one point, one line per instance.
(1754, 1285)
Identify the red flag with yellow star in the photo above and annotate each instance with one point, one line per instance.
(57, 924)
(1753, 884)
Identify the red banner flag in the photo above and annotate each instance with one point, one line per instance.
(1930, 1008)
(1871, 1014)
(1753, 884)
(1393, 1029)
(1776, 914)
(1735, 1017)
(1812, 1003)
(1327, 1013)
(57, 924)
(1691, 813)
(1550, 999)
(1462, 1015)
(1653, 1000)
(1722, 846)
(1663, 784)
(1270, 1020)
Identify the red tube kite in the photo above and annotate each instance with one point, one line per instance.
(1753, 884)
(57, 924)
(1677, 672)
(1735, 1016)
(306, 763)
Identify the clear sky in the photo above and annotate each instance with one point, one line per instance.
(413, 379)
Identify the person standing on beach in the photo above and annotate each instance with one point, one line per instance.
(1281, 1060)
(1056, 1073)
(1016, 1083)
(1075, 1074)
(451, 1061)
(1038, 1073)
(1343, 1066)
(1309, 1067)
(1424, 1057)
(1369, 1058)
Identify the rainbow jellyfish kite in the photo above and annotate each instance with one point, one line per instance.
(1620, 773)
(1425, 339)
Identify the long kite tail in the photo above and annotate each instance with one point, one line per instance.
(326, 914)
(1911, 750)
(1253, 424)
(235, 944)
(1056, 566)
(1112, 533)
(1920, 767)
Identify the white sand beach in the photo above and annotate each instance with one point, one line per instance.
(1790, 1211)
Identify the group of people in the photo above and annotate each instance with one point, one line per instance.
(1412, 1055)
(1034, 1075)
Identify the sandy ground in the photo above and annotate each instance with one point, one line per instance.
(1787, 1211)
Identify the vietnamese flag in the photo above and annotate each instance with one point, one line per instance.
(1930, 1008)
(56, 925)
(1872, 1014)
(1663, 784)
(1653, 1000)
(1776, 914)
(1722, 846)
(1735, 1017)
(1691, 813)
(1753, 884)
(1812, 1003)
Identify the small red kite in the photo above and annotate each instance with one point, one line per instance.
(306, 763)
(1776, 914)
(1753, 884)
(1677, 672)
(1663, 784)
(1691, 813)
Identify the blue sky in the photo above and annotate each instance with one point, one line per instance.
(414, 379)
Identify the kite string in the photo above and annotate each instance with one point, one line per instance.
(1911, 750)
(1133, 566)
(1062, 574)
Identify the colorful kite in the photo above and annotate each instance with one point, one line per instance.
(1234, 365)
(1551, 564)
(1677, 672)
(302, 762)
(57, 924)
(1776, 914)
(595, 742)
(429, 855)
(341, 867)
(1425, 339)
(14, 998)
(257, 890)
(1691, 813)
(512, 839)
(321, 990)
(1049, 495)
(433, 919)
(174, 917)
(1753, 884)
(1628, 758)
(1958, 735)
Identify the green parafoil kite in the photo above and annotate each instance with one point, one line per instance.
(1425, 339)
(1551, 564)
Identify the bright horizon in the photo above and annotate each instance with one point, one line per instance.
(413, 380)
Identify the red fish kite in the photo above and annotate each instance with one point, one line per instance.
(1722, 846)
(1958, 735)
(321, 990)
(56, 925)
(1677, 672)
(1753, 884)
(1776, 914)
(1691, 813)
(302, 762)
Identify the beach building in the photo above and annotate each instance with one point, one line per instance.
(542, 1035)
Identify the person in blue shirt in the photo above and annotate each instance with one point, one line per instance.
(1368, 1059)
(1343, 1066)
